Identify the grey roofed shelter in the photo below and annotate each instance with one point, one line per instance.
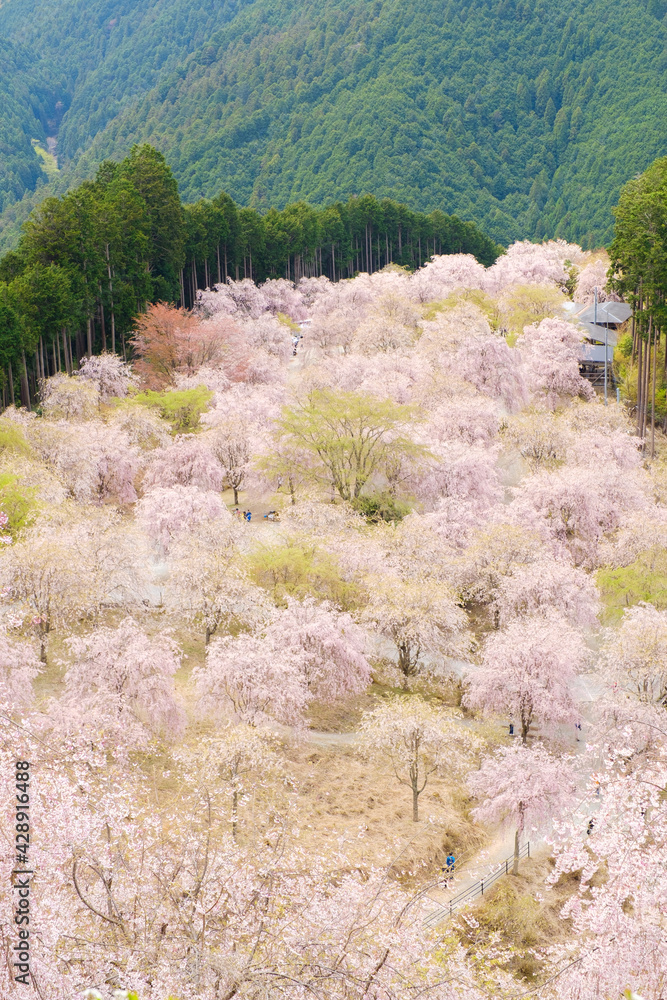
(608, 314)
(592, 354)
(596, 334)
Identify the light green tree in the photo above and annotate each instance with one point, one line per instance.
(351, 435)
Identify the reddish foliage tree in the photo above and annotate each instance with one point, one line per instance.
(168, 341)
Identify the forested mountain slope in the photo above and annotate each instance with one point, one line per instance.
(524, 116)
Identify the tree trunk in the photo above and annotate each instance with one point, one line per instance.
(415, 801)
(656, 337)
(68, 366)
(102, 323)
(89, 337)
(236, 495)
(525, 728)
(404, 664)
(645, 387)
(235, 802)
(25, 388)
(11, 382)
(640, 381)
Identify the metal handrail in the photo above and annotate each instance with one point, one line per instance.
(477, 889)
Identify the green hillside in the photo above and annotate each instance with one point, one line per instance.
(525, 117)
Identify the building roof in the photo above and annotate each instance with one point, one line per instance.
(592, 354)
(612, 313)
(597, 333)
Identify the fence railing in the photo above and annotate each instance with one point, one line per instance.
(476, 889)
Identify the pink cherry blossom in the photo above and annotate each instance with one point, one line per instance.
(327, 645)
(550, 352)
(548, 585)
(187, 462)
(111, 375)
(123, 678)
(526, 263)
(527, 671)
(493, 368)
(167, 512)
(19, 666)
(574, 508)
(522, 787)
(591, 276)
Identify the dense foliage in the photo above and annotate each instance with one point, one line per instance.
(256, 743)
(526, 117)
(638, 271)
(89, 262)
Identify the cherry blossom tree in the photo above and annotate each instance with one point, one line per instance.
(443, 274)
(327, 645)
(230, 444)
(44, 580)
(523, 788)
(235, 298)
(492, 551)
(391, 325)
(306, 652)
(620, 864)
(538, 437)
(330, 331)
(206, 583)
(494, 368)
(573, 507)
(123, 679)
(65, 397)
(18, 669)
(418, 618)
(458, 471)
(550, 352)
(269, 334)
(177, 908)
(248, 679)
(189, 461)
(549, 585)
(94, 462)
(242, 756)
(597, 448)
(167, 512)
(112, 376)
(594, 274)
(527, 670)
(417, 741)
(527, 263)
(467, 418)
(635, 653)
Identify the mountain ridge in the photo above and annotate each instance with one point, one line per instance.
(523, 118)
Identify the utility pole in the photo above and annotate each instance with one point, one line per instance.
(606, 336)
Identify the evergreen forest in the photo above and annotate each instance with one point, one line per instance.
(526, 118)
(88, 262)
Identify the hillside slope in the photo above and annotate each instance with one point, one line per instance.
(525, 117)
